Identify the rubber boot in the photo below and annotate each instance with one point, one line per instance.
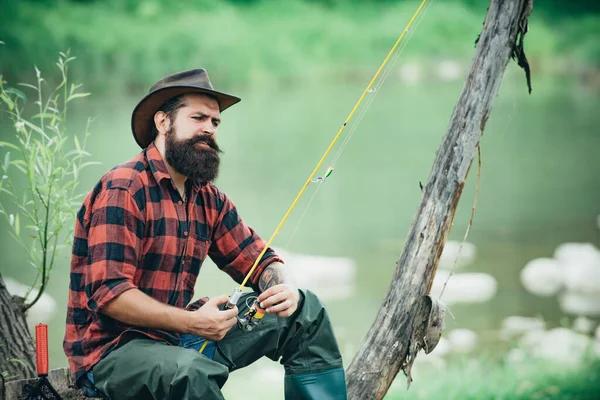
(323, 385)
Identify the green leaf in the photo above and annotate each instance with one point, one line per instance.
(77, 145)
(17, 93)
(36, 128)
(12, 146)
(20, 165)
(7, 160)
(22, 169)
(48, 116)
(9, 103)
(60, 66)
(17, 361)
(17, 225)
(77, 95)
(87, 164)
(28, 85)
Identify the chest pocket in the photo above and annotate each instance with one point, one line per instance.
(199, 252)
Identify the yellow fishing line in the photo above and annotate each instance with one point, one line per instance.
(203, 346)
(289, 211)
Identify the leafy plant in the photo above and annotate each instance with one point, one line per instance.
(39, 174)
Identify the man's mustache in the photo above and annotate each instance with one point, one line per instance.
(208, 140)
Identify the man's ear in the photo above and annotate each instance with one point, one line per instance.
(162, 122)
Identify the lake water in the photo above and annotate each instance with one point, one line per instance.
(540, 186)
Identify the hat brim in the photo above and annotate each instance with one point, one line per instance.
(142, 118)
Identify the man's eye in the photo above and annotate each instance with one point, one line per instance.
(215, 124)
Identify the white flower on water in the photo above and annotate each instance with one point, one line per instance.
(531, 339)
(449, 70)
(329, 277)
(515, 326)
(583, 325)
(580, 304)
(443, 348)
(463, 340)
(410, 73)
(562, 345)
(543, 276)
(573, 274)
(569, 253)
(583, 273)
(472, 287)
(453, 252)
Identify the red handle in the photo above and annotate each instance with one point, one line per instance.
(41, 343)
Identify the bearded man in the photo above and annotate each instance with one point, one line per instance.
(141, 237)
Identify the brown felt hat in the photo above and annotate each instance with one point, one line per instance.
(192, 81)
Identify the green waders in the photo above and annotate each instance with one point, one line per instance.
(304, 344)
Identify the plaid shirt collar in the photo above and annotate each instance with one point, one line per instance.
(159, 168)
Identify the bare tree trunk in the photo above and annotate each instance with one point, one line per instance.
(17, 351)
(397, 333)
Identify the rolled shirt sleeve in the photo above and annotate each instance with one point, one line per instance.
(115, 244)
(235, 246)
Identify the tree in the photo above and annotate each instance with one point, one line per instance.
(397, 333)
(38, 199)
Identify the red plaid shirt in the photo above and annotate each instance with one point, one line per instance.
(134, 231)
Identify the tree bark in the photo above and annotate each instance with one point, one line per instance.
(396, 335)
(60, 379)
(17, 351)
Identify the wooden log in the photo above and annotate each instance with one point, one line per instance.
(60, 379)
(391, 343)
(17, 352)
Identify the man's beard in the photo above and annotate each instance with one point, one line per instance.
(198, 163)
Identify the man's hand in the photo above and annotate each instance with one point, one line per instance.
(210, 322)
(281, 300)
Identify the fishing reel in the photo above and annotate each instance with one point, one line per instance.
(252, 317)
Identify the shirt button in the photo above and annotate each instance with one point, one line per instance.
(180, 202)
(185, 233)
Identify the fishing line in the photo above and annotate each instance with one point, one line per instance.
(308, 181)
(372, 93)
(470, 220)
(510, 119)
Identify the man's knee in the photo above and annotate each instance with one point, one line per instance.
(312, 308)
(192, 375)
(151, 370)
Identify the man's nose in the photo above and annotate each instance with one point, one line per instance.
(209, 128)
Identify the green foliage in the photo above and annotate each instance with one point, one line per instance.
(4, 374)
(38, 175)
(127, 45)
(482, 378)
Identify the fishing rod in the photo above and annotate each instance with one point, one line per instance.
(255, 312)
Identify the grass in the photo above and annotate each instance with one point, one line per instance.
(487, 379)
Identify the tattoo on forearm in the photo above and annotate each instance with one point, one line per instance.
(271, 276)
